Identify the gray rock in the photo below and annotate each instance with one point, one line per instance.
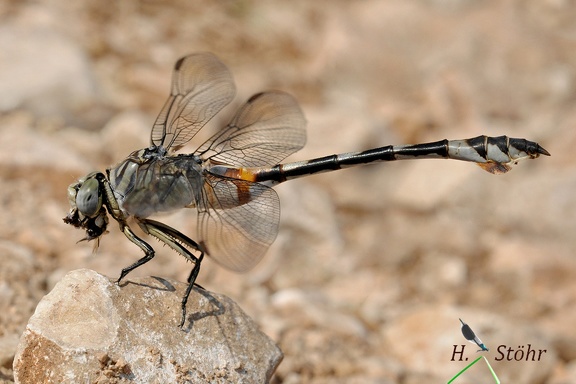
(89, 329)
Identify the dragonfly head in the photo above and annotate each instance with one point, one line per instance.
(87, 210)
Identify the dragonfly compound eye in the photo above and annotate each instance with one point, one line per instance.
(88, 198)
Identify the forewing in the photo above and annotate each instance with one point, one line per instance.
(201, 87)
(237, 221)
(264, 131)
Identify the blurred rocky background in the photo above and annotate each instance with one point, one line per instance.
(373, 266)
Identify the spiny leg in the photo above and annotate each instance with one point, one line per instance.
(178, 242)
(191, 280)
(148, 251)
(114, 209)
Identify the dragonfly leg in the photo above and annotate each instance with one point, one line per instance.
(191, 280)
(148, 250)
(180, 243)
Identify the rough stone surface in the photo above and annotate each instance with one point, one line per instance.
(89, 329)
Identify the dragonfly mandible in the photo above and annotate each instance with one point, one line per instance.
(229, 178)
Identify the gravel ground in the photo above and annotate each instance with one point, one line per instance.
(373, 266)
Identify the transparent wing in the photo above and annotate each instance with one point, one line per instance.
(237, 221)
(201, 87)
(264, 131)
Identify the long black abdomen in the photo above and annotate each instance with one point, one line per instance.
(494, 154)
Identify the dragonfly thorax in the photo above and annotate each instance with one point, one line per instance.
(146, 183)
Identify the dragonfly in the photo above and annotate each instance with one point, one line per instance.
(469, 334)
(228, 179)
